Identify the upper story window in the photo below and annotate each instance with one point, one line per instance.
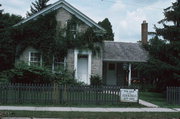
(35, 58)
(73, 27)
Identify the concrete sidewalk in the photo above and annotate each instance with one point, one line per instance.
(78, 109)
(147, 104)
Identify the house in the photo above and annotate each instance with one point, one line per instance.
(113, 63)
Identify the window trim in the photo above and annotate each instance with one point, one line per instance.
(29, 62)
(53, 64)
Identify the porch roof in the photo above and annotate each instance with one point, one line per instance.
(124, 52)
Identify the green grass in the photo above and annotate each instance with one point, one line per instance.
(79, 105)
(92, 115)
(157, 99)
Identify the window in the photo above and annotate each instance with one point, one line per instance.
(135, 73)
(34, 58)
(58, 64)
(111, 66)
(72, 28)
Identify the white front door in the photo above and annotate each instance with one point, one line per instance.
(82, 68)
(111, 74)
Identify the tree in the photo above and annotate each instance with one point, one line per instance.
(7, 44)
(1, 10)
(108, 27)
(37, 6)
(171, 32)
(163, 66)
(7, 20)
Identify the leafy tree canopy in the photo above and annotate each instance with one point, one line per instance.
(109, 36)
(38, 5)
(7, 44)
(8, 20)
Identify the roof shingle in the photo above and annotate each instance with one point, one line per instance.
(124, 52)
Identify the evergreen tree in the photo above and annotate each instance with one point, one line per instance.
(109, 36)
(171, 32)
(1, 10)
(37, 6)
(163, 66)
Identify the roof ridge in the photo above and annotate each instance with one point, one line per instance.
(54, 6)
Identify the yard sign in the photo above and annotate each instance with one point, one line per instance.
(129, 95)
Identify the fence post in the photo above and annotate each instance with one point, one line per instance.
(178, 95)
(167, 94)
(19, 93)
(65, 94)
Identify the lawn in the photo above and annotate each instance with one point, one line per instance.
(79, 105)
(157, 99)
(92, 115)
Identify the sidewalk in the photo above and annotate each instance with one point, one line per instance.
(147, 104)
(77, 109)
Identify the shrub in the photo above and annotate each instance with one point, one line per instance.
(23, 73)
(4, 77)
(96, 80)
(64, 78)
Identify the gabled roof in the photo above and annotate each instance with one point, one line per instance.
(69, 8)
(124, 52)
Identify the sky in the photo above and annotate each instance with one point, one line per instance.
(125, 16)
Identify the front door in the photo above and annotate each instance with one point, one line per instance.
(111, 74)
(82, 68)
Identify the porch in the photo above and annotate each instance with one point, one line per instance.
(119, 73)
(118, 62)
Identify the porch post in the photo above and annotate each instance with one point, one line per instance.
(89, 66)
(129, 76)
(53, 64)
(75, 62)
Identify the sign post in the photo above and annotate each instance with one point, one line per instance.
(129, 95)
